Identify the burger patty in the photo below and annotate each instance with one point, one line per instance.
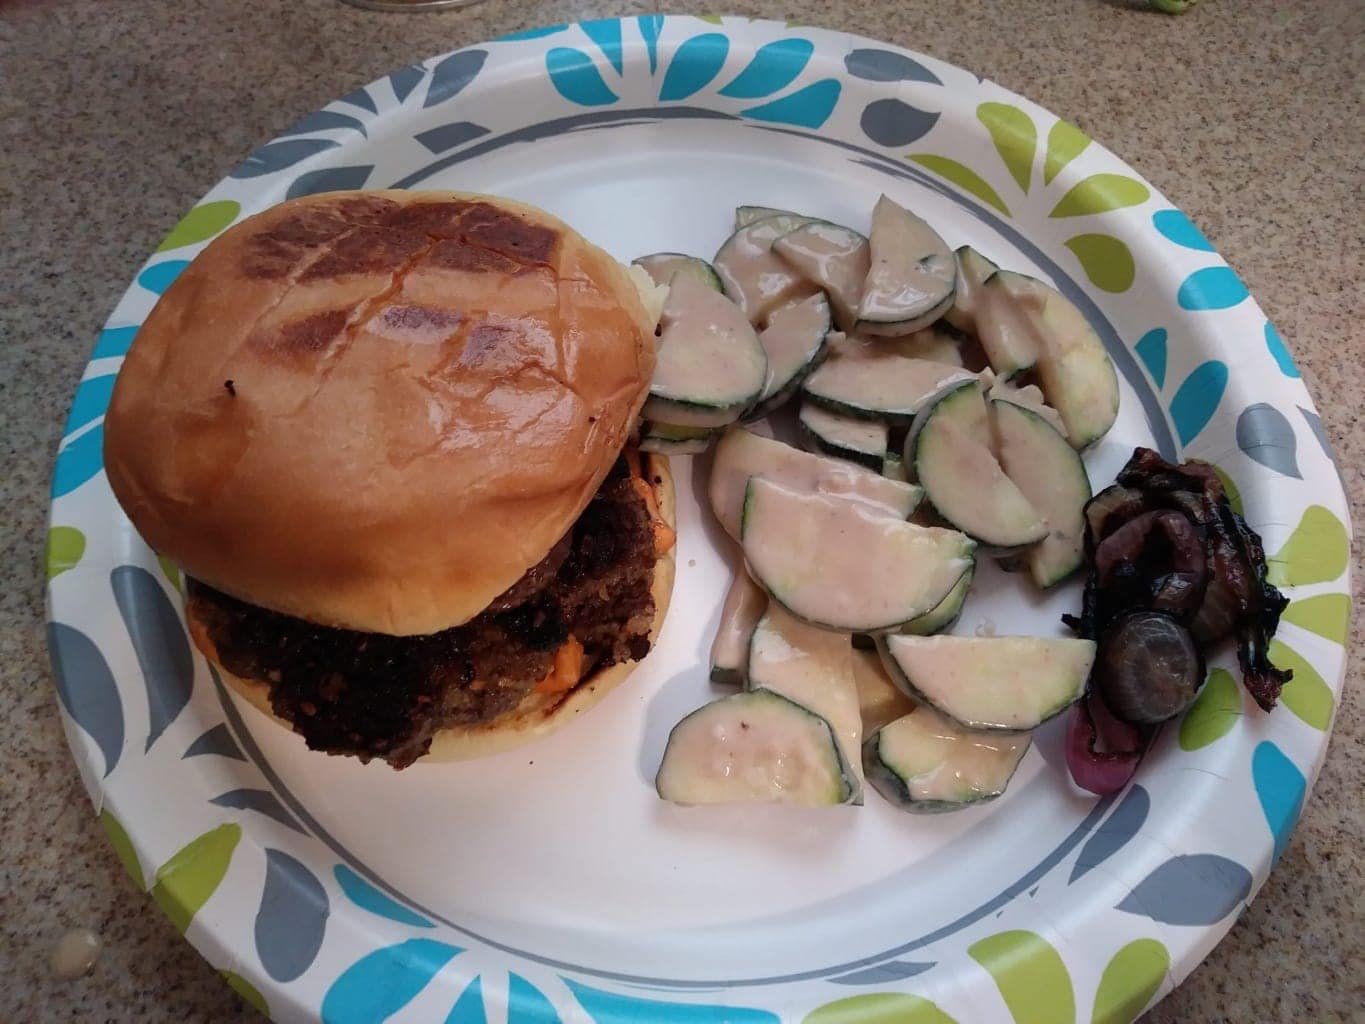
(376, 695)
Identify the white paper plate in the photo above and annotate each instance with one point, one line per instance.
(550, 883)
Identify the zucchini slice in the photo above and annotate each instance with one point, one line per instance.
(973, 270)
(1009, 683)
(794, 342)
(745, 603)
(1030, 396)
(935, 343)
(662, 266)
(839, 565)
(1006, 324)
(872, 379)
(860, 441)
(746, 215)
(742, 454)
(754, 747)
(946, 612)
(1073, 368)
(879, 699)
(814, 668)
(950, 449)
(710, 365)
(912, 277)
(663, 439)
(1050, 474)
(925, 764)
(893, 467)
(753, 276)
(832, 257)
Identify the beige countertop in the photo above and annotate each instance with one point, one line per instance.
(116, 117)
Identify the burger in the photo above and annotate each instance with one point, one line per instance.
(387, 438)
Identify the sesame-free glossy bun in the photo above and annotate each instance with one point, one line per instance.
(378, 410)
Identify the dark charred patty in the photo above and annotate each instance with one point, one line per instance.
(375, 695)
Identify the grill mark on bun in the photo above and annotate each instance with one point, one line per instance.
(457, 254)
(504, 233)
(277, 251)
(367, 251)
(311, 334)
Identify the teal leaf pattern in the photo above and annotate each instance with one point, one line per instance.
(87, 690)
(367, 897)
(381, 983)
(650, 27)
(606, 33)
(451, 75)
(1265, 435)
(276, 156)
(468, 1009)
(292, 920)
(893, 122)
(1194, 889)
(809, 107)
(160, 276)
(1197, 399)
(1212, 288)
(323, 121)
(773, 67)
(695, 63)
(1151, 349)
(1280, 787)
(613, 1008)
(114, 341)
(526, 1004)
(90, 403)
(329, 179)
(160, 642)
(576, 78)
(78, 461)
(1178, 228)
(1280, 352)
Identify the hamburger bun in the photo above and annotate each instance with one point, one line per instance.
(540, 713)
(377, 410)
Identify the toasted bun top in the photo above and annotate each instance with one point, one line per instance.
(377, 410)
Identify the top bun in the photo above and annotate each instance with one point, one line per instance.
(378, 410)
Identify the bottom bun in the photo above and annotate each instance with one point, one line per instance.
(537, 715)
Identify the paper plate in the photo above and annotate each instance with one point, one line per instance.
(549, 882)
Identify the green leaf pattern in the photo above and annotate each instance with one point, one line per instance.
(1129, 982)
(963, 177)
(1015, 138)
(186, 881)
(1030, 974)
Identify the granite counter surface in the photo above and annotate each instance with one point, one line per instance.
(116, 117)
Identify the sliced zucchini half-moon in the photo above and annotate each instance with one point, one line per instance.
(662, 267)
(871, 379)
(794, 342)
(710, 365)
(755, 747)
(844, 437)
(741, 454)
(832, 257)
(1006, 683)
(1050, 474)
(841, 566)
(950, 450)
(927, 765)
(755, 278)
(912, 277)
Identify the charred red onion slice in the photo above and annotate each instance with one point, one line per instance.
(1153, 561)
(1107, 771)
(1148, 669)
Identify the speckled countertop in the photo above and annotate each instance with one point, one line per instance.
(115, 117)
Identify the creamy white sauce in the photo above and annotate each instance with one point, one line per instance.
(742, 453)
(912, 269)
(833, 257)
(708, 352)
(744, 605)
(791, 340)
(939, 761)
(838, 564)
(753, 275)
(866, 374)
